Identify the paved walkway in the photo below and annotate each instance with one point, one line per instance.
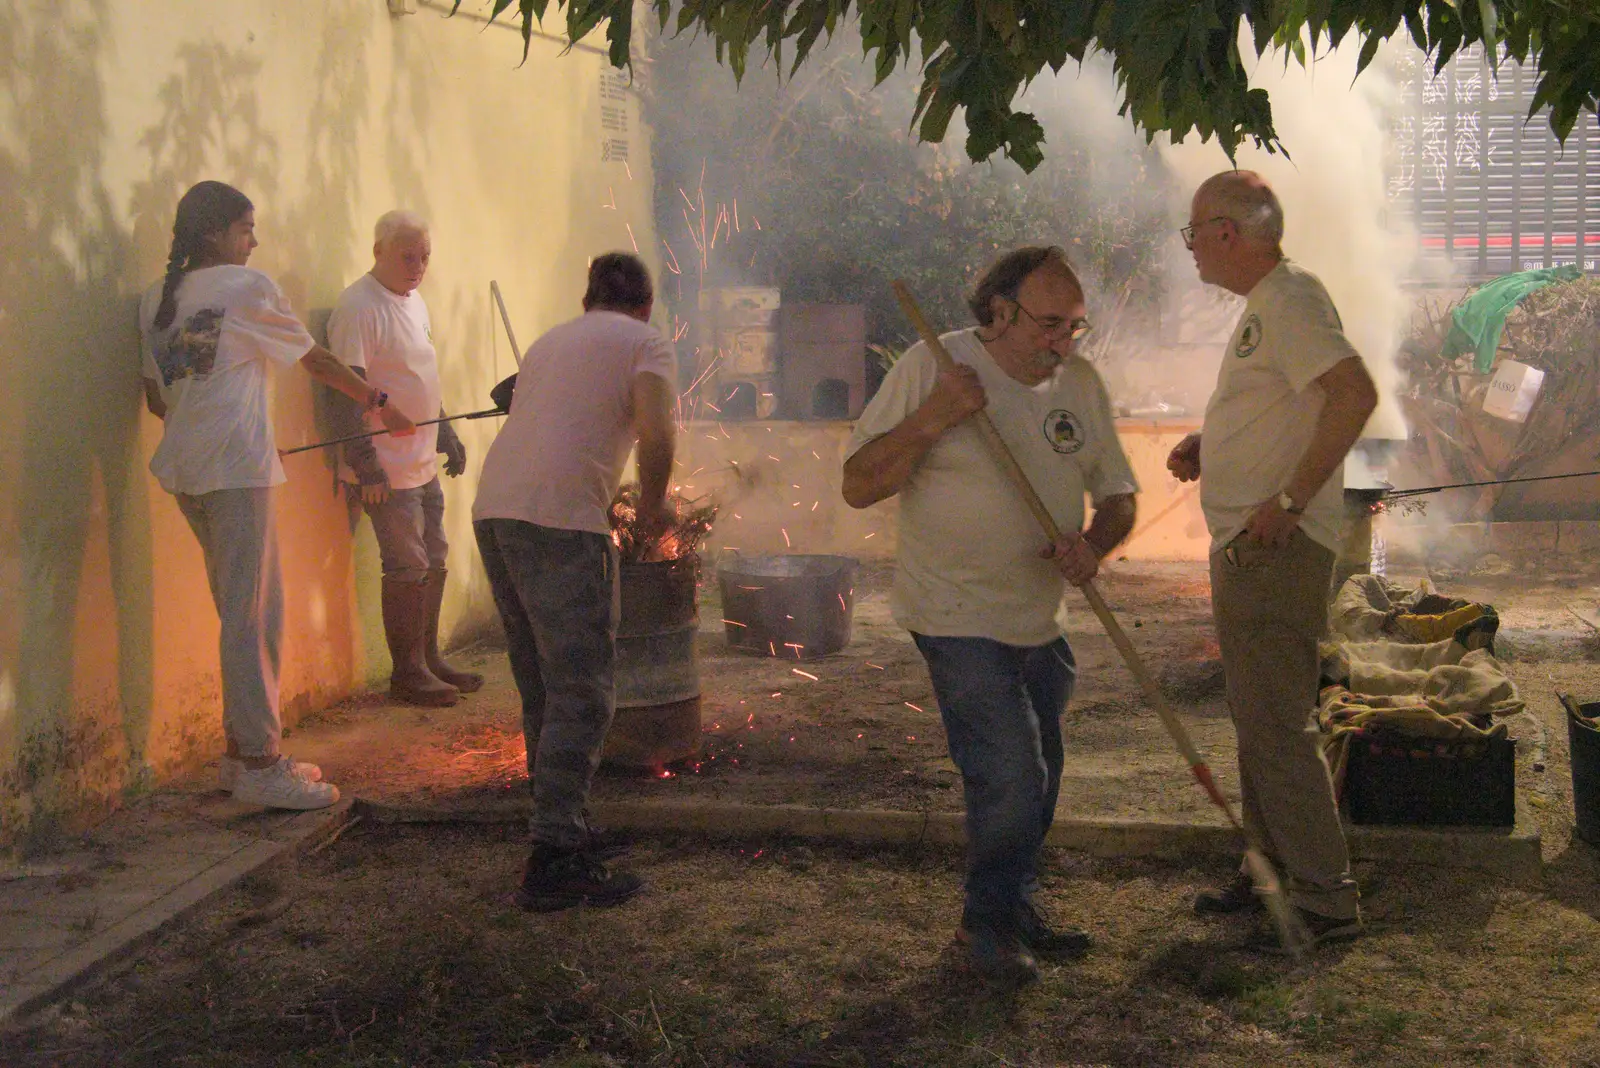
(66, 915)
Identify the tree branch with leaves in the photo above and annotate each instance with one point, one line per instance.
(1181, 65)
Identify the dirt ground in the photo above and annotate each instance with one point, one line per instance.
(395, 945)
(865, 733)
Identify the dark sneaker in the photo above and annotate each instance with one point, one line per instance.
(1323, 929)
(999, 958)
(1237, 896)
(1069, 943)
(561, 878)
(1314, 930)
(608, 844)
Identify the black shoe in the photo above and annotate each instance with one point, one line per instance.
(1312, 929)
(1069, 944)
(998, 957)
(1237, 896)
(608, 844)
(561, 878)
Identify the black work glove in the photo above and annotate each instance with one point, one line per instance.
(455, 453)
(502, 392)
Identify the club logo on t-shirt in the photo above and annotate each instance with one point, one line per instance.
(1249, 337)
(189, 348)
(1064, 431)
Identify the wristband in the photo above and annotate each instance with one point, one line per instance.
(375, 400)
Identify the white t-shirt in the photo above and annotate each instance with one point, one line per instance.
(213, 363)
(392, 338)
(968, 562)
(1262, 416)
(559, 456)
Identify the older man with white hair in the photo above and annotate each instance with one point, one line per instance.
(1292, 396)
(380, 329)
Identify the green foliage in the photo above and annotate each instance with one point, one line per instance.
(1178, 62)
(847, 200)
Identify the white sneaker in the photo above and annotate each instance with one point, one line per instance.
(228, 772)
(277, 786)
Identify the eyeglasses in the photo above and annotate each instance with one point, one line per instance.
(1054, 327)
(1188, 231)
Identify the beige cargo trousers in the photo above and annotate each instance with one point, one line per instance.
(1270, 607)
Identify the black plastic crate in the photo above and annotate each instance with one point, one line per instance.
(1394, 778)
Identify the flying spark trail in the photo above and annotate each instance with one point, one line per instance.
(806, 674)
(736, 215)
(842, 605)
(630, 238)
(913, 707)
(773, 458)
(876, 667)
(786, 543)
(686, 199)
(628, 169)
(613, 205)
(874, 534)
(814, 505)
(672, 262)
(733, 623)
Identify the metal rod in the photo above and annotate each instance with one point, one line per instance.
(1399, 494)
(484, 414)
(1262, 874)
(505, 318)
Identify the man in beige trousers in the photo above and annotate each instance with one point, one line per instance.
(1291, 398)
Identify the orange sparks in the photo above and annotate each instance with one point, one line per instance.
(814, 505)
(773, 458)
(613, 205)
(874, 534)
(786, 543)
(736, 215)
(628, 169)
(913, 707)
(842, 605)
(911, 737)
(672, 263)
(772, 649)
(875, 667)
(713, 407)
(804, 674)
(630, 238)
(733, 623)
(814, 454)
(685, 197)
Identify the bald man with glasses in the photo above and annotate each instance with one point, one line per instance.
(974, 583)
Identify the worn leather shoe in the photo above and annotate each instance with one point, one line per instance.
(557, 879)
(1238, 896)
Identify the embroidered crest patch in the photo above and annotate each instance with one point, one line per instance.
(1249, 337)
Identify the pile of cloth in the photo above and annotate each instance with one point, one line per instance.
(1411, 662)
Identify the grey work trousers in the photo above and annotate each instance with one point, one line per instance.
(1271, 607)
(409, 527)
(238, 534)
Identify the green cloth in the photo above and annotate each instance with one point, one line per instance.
(1477, 322)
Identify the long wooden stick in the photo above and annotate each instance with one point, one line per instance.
(1265, 879)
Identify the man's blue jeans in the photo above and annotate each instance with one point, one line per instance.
(557, 592)
(1001, 705)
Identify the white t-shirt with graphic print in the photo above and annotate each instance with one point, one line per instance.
(968, 562)
(214, 363)
(391, 337)
(1262, 416)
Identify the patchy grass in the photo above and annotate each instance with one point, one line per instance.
(396, 946)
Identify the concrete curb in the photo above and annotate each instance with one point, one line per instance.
(83, 962)
(1510, 853)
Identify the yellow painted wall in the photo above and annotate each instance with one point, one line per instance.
(327, 113)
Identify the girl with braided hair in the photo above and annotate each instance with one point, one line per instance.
(213, 330)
